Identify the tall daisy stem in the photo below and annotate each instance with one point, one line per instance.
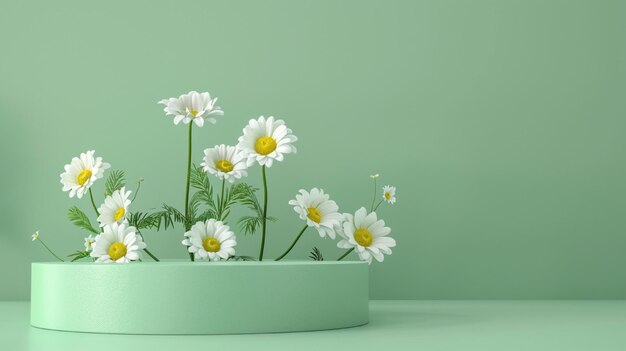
(221, 204)
(293, 243)
(345, 254)
(264, 213)
(187, 219)
(93, 203)
(50, 251)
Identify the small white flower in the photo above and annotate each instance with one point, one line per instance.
(117, 243)
(211, 239)
(225, 162)
(389, 194)
(89, 242)
(266, 140)
(193, 106)
(375, 176)
(35, 235)
(367, 235)
(318, 211)
(115, 207)
(82, 172)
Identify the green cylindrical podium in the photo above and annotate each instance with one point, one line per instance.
(199, 297)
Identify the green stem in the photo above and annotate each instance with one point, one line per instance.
(187, 219)
(50, 251)
(93, 203)
(151, 255)
(378, 204)
(146, 250)
(293, 243)
(136, 192)
(264, 213)
(345, 254)
(374, 198)
(220, 209)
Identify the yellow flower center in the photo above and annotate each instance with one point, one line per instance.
(265, 145)
(119, 214)
(363, 237)
(117, 250)
(211, 244)
(314, 214)
(224, 166)
(388, 196)
(83, 177)
(193, 112)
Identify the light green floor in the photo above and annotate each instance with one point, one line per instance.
(395, 325)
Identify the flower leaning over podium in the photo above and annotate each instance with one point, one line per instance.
(212, 240)
(225, 162)
(82, 172)
(367, 235)
(117, 243)
(115, 207)
(318, 210)
(193, 106)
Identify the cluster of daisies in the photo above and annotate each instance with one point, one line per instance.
(264, 141)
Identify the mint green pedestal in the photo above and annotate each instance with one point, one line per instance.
(199, 297)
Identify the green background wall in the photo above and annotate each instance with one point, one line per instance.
(500, 122)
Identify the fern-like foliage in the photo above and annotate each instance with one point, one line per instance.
(199, 180)
(164, 218)
(80, 219)
(247, 197)
(115, 181)
(316, 254)
(78, 255)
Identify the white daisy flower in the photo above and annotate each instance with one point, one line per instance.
(389, 194)
(318, 211)
(367, 235)
(211, 239)
(375, 176)
(225, 162)
(115, 207)
(82, 172)
(117, 243)
(266, 140)
(193, 106)
(89, 242)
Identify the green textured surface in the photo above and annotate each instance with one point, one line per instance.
(199, 297)
(394, 325)
(500, 122)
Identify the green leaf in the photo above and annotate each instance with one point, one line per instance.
(208, 214)
(116, 180)
(199, 180)
(250, 224)
(316, 255)
(78, 255)
(80, 219)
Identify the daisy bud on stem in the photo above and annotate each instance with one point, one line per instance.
(35, 236)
